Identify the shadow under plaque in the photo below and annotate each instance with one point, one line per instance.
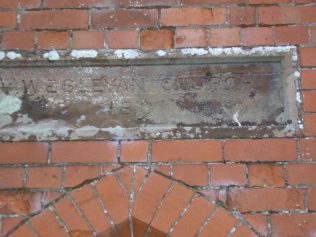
(150, 98)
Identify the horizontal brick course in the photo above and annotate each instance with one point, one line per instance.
(194, 150)
(260, 150)
(265, 199)
(54, 19)
(278, 15)
(301, 173)
(192, 16)
(84, 152)
(17, 41)
(20, 3)
(8, 19)
(124, 18)
(27, 152)
(308, 79)
(228, 174)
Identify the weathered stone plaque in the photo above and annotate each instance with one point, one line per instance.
(168, 99)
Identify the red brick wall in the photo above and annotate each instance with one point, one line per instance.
(271, 182)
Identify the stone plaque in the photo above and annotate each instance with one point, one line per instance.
(135, 101)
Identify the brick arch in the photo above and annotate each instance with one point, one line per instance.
(133, 200)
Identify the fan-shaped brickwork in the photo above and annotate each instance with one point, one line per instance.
(133, 202)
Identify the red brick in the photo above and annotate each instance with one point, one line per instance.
(163, 169)
(313, 32)
(44, 177)
(213, 195)
(54, 19)
(308, 149)
(312, 199)
(301, 173)
(192, 16)
(184, 173)
(20, 3)
(294, 224)
(258, 222)
(215, 225)
(277, 15)
(122, 39)
(19, 203)
(194, 218)
(46, 225)
(308, 58)
(257, 36)
(68, 3)
(265, 199)
(90, 206)
(11, 177)
(309, 98)
(148, 199)
(7, 20)
(213, 2)
(24, 231)
(17, 41)
(88, 40)
(84, 152)
(134, 151)
(242, 16)
(190, 38)
(26, 152)
(124, 18)
(225, 37)
(114, 198)
(70, 216)
(77, 174)
(308, 79)
(145, 3)
(48, 196)
(156, 39)
(266, 175)
(243, 231)
(260, 150)
(190, 150)
(52, 40)
(8, 223)
(177, 199)
(292, 35)
(310, 125)
(260, 2)
(228, 174)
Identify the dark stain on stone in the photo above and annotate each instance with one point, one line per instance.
(204, 108)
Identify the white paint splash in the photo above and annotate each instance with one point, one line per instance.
(52, 55)
(13, 55)
(10, 104)
(127, 53)
(237, 51)
(2, 55)
(84, 54)
(298, 97)
(161, 53)
(194, 51)
(87, 131)
(297, 74)
(235, 118)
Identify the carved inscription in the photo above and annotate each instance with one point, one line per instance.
(154, 97)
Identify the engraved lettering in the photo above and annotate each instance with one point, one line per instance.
(97, 85)
(68, 85)
(29, 87)
(126, 107)
(83, 87)
(51, 87)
